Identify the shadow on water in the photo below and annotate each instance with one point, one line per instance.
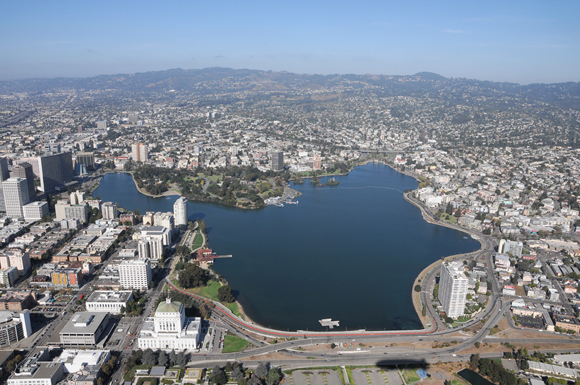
(196, 216)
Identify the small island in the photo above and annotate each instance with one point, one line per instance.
(332, 182)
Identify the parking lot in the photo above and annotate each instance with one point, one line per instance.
(315, 377)
(374, 376)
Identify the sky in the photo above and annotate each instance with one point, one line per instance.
(514, 41)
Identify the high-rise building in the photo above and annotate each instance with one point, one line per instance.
(24, 170)
(101, 125)
(55, 170)
(150, 248)
(135, 274)
(79, 212)
(180, 211)
(140, 152)
(109, 210)
(277, 161)
(17, 259)
(3, 176)
(15, 192)
(86, 158)
(316, 162)
(453, 289)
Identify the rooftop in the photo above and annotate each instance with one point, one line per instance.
(84, 322)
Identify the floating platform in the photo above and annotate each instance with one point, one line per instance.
(328, 322)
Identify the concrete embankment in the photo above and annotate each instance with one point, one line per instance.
(428, 218)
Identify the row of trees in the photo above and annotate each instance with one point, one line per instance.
(150, 357)
(260, 376)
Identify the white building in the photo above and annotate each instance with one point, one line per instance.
(180, 211)
(108, 301)
(34, 211)
(453, 289)
(150, 247)
(135, 274)
(170, 329)
(79, 212)
(15, 196)
(109, 210)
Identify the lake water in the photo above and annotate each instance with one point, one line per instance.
(474, 378)
(350, 253)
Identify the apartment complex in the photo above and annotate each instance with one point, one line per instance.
(453, 289)
(180, 211)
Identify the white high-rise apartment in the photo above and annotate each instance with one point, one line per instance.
(109, 210)
(453, 289)
(150, 247)
(15, 196)
(180, 212)
(140, 152)
(135, 274)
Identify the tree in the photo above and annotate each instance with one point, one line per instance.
(163, 359)
(474, 361)
(181, 359)
(149, 357)
(172, 357)
(449, 209)
(254, 380)
(261, 370)
(225, 294)
(193, 276)
(237, 374)
(274, 376)
(418, 288)
(218, 376)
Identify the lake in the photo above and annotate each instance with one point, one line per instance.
(350, 252)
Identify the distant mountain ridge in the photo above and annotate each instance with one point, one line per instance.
(228, 80)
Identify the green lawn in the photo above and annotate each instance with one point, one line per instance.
(210, 291)
(234, 343)
(411, 375)
(197, 241)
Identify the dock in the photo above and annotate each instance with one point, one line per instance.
(328, 322)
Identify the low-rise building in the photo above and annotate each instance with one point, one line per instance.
(108, 301)
(84, 329)
(35, 370)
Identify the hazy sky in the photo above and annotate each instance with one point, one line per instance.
(516, 41)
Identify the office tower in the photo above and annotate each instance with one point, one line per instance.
(180, 211)
(24, 170)
(140, 152)
(15, 196)
(3, 176)
(101, 125)
(109, 210)
(277, 161)
(55, 171)
(86, 158)
(453, 289)
(135, 274)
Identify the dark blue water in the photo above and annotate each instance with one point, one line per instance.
(473, 377)
(350, 253)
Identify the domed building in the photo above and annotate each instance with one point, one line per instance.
(169, 328)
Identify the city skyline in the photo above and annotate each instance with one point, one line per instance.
(517, 42)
